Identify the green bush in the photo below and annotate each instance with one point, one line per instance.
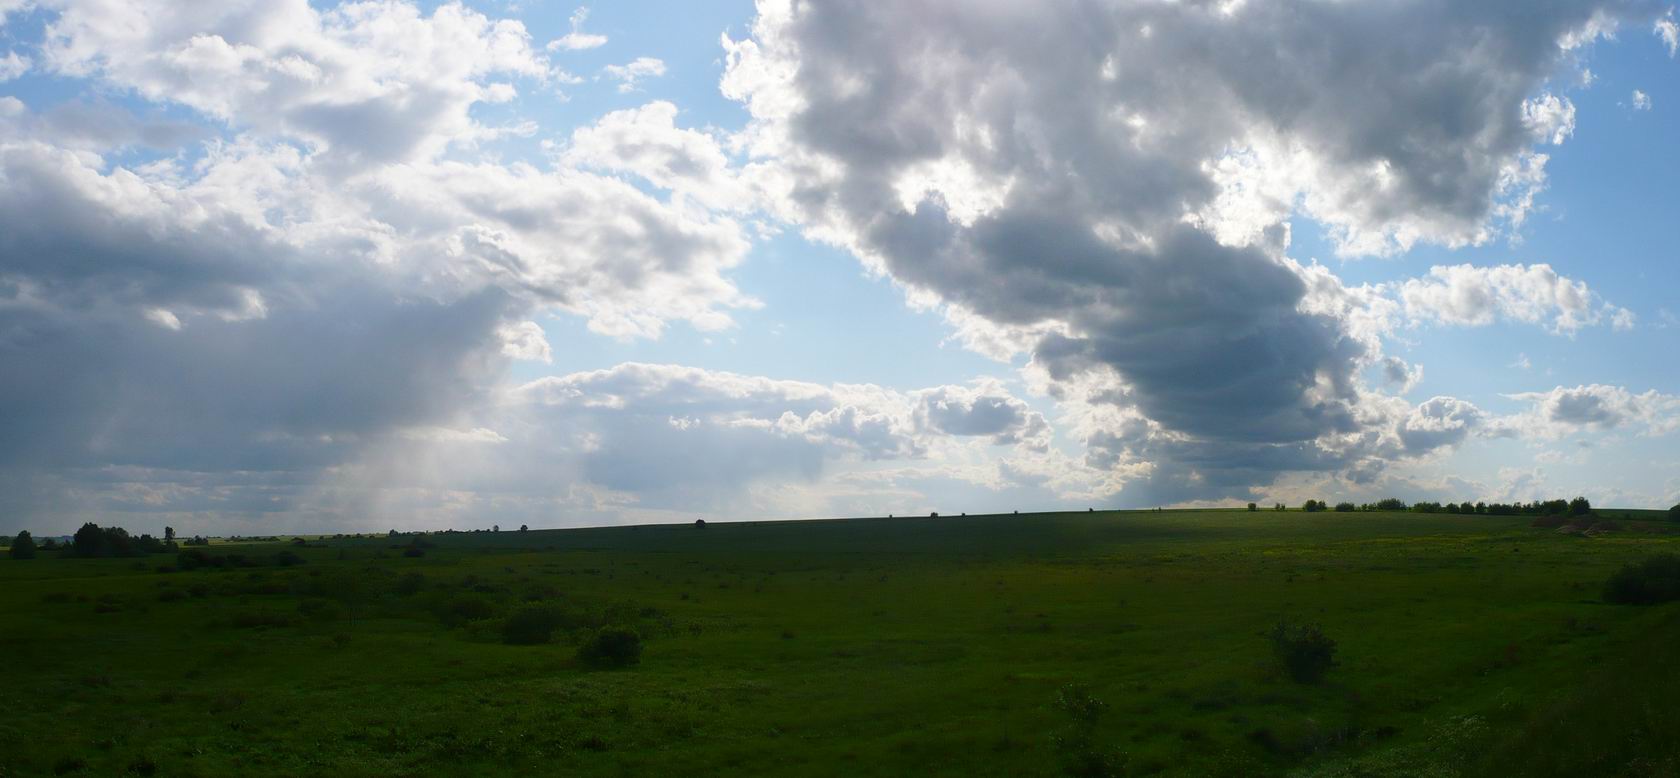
(1344, 507)
(530, 626)
(465, 609)
(1303, 650)
(1652, 581)
(1674, 513)
(612, 647)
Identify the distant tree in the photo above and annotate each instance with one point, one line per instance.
(1344, 507)
(23, 546)
(1674, 513)
(50, 544)
(1252, 507)
(1579, 507)
(495, 528)
(1391, 504)
(1312, 506)
(524, 528)
(699, 523)
(169, 534)
(1279, 507)
(391, 534)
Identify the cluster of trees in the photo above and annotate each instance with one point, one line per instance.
(95, 541)
(1579, 506)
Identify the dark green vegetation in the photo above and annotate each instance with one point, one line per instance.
(1089, 643)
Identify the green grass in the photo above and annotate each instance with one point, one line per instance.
(1466, 645)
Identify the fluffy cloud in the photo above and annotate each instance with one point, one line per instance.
(1564, 411)
(647, 143)
(660, 439)
(1116, 204)
(577, 39)
(1536, 294)
(366, 83)
(630, 74)
(1641, 101)
(1441, 421)
(13, 65)
(326, 268)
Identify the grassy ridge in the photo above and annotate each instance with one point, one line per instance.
(873, 647)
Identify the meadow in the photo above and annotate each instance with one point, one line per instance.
(1129, 642)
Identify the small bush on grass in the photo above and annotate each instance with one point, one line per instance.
(611, 647)
(410, 584)
(1303, 650)
(316, 609)
(462, 610)
(1075, 744)
(530, 626)
(1652, 581)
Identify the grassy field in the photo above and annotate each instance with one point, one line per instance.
(1465, 646)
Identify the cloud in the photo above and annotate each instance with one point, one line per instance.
(577, 39)
(662, 438)
(365, 83)
(1550, 118)
(1476, 296)
(1669, 32)
(630, 74)
(1564, 411)
(1117, 205)
(986, 409)
(1641, 101)
(646, 142)
(525, 340)
(13, 65)
(274, 305)
(1438, 422)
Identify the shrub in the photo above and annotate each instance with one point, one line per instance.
(23, 547)
(1076, 744)
(317, 609)
(1654, 580)
(410, 583)
(1252, 507)
(612, 647)
(1303, 650)
(530, 626)
(464, 609)
(1344, 507)
(1312, 506)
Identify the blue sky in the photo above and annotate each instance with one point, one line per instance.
(297, 265)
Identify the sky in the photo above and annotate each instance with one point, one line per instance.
(284, 266)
